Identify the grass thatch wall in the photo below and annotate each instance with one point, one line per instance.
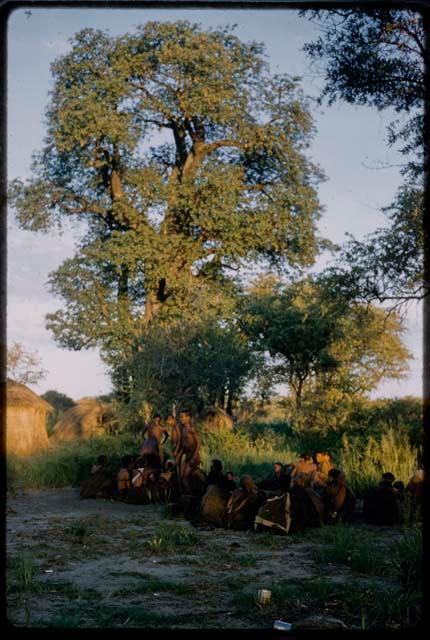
(26, 415)
(82, 421)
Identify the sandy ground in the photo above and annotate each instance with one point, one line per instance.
(110, 576)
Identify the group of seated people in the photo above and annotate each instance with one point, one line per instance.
(392, 503)
(308, 493)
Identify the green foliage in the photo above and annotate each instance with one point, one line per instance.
(168, 536)
(406, 556)
(168, 226)
(23, 366)
(364, 460)
(60, 402)
(376, 57)
(328, 352)
(349, 545)
(197, 364)
(67, 464)
(250, 450)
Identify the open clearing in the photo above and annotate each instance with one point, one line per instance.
(96, 563)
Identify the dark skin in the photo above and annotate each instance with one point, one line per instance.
(175, 435)
(187, 453)
(151, 445)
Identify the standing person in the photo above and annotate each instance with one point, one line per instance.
(188, 452)
(153, 444)
(175, 433)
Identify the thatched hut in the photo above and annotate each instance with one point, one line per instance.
(217, 420)
(26, 415)
(81, 422)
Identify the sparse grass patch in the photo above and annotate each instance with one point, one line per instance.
(247, 561)
(21, 578)
(406, 557)
(348, 545)
(170, 535)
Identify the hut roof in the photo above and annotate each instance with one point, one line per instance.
(81, 421)
(18, 395)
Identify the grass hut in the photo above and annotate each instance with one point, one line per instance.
(26, 415)
(80, 422)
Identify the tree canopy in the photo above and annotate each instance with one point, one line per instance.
(196, 364)
(376, 57)
(22, 365)
(186, 160)
(328, 352)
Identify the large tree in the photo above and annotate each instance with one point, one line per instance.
(186, 160)
(377, 57)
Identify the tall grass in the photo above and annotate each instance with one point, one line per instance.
(363, 461)
(254, 451)
(66, 464)
(243, 454)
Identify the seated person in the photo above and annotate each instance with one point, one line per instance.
(305, 466)
(414, 493)
(169, 471)
(231, 482)
(339, 499)
(101, 462)
(99, 484)
(243, 505)
(272, 482)
(215, 474)
(381, 506)
(304, 513)
(213, 505)
(324, 463)
(275, 513)
(123, 477)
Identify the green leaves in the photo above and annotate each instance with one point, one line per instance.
(326, 349)
(187, 161)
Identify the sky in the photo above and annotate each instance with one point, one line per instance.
(349, 145)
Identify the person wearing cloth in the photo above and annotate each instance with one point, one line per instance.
(123, 477)
(305, 466)
(243, 505)
(339, 499)
(381, 506)
(99, 484)
(273, 482)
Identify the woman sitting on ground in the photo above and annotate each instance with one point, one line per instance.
(414, 493)
(305, 466)
(99, 484)
(243, 505)
(123, 477)
(305, 509)
(381, 506)
(339, 499)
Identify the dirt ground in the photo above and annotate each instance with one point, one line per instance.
(91, 563)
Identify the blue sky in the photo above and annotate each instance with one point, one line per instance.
(348, 141)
